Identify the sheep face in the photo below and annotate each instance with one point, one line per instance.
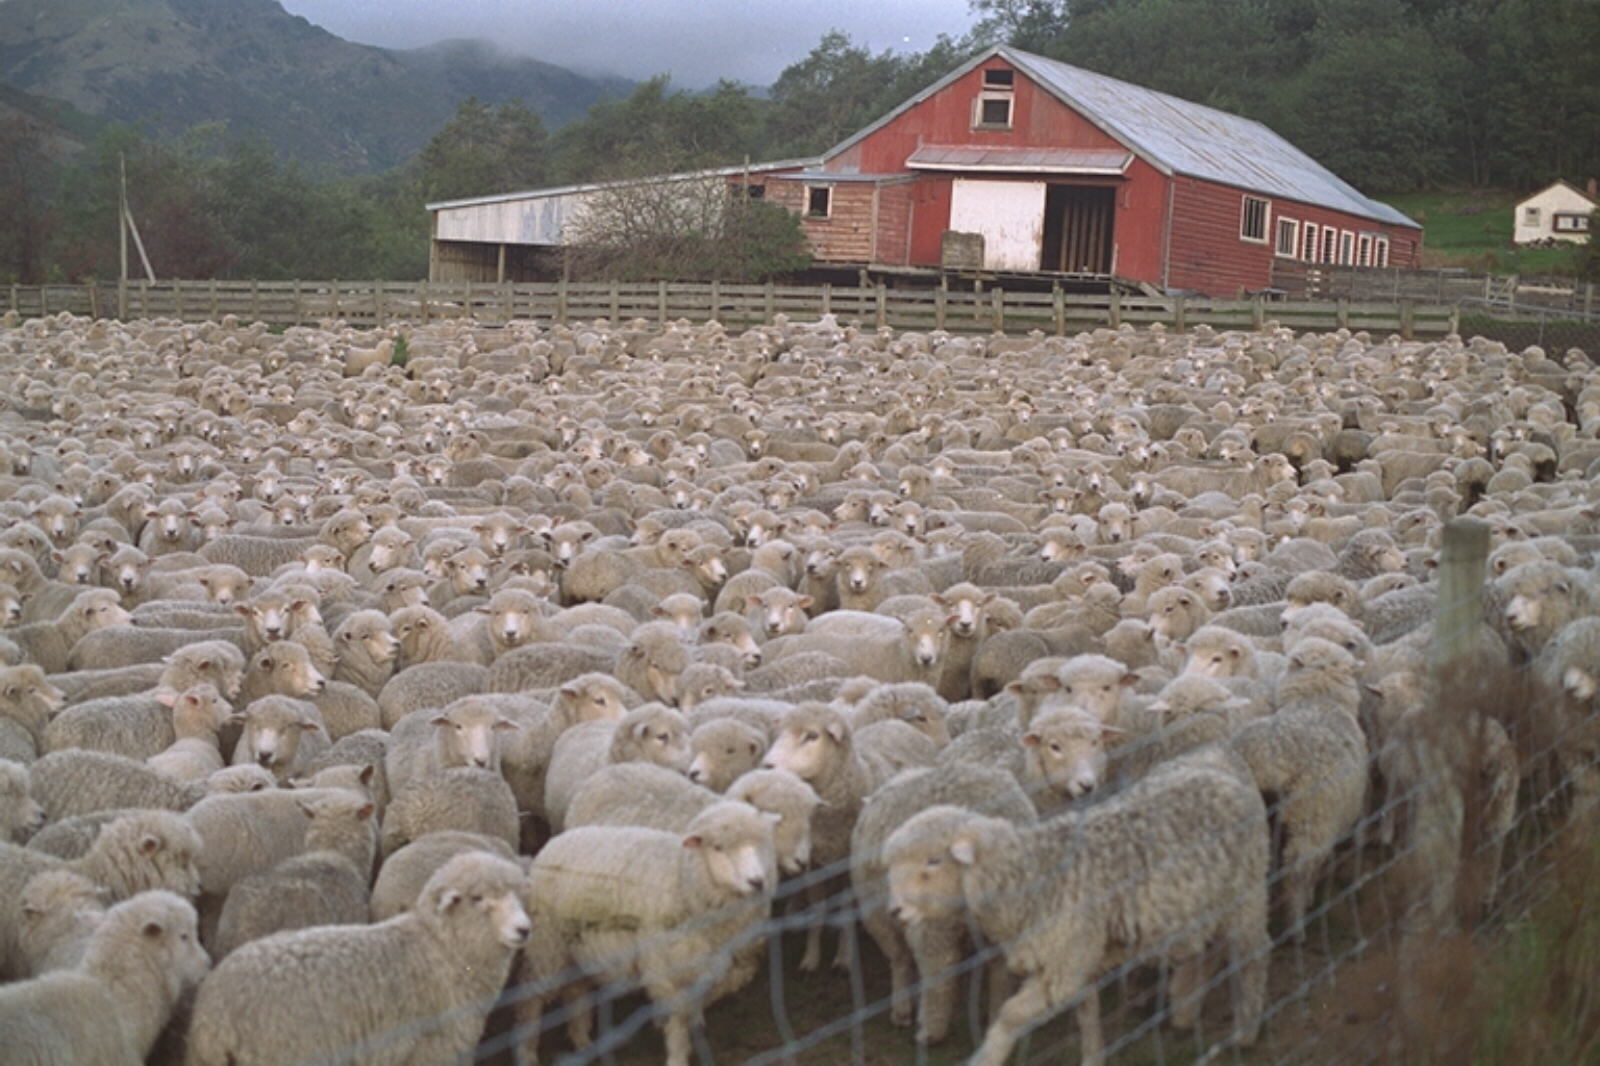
(511, 618)
(479, 895)
(722, 750)
(1066, 751)
(965, 604)
(468, 735)
(1093, 683)
(290, 670)
(589, 699)
(26, 816)
(27, 692)
(1214, 652)
(926, 858)
(734, 840)
(927, 638)
(732, 630)
(810, 742)
(791, 802)
(653, 734)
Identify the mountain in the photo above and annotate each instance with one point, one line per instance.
(170, 64)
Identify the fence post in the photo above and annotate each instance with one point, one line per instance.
(44, 310)
(122, 298)
(561, 301)
(299, 307)
(997, 299)
(144, 298)
(1407, 319)
(716, 300)
(377, 303)
(94, 298)
(1455, 320)
(941, 296)
(177, 299)
(1342, 312)
(769, 307)
(1116, 309)
(1258, 312)
(1058, 304)
(422, 296)
(1179, 316)
(883, 305)
(661, 294)
(616, 304)
(255, 301)
(1588, 300)
(15, 304)
(1460, 604)
(334, 293)
(827, 298)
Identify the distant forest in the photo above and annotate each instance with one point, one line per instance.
(1393, 95)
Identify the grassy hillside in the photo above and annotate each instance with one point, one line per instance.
(170, 64)
(1472, 229)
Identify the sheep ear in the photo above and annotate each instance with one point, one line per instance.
(503, 724)
(152, 929)
(365, 812)
(1031, 740)
(242, 608)
(439, 719)
(447, 900)
(804, 602)
(1128, 680)
(836, 730)
(692, 841)
(963, 851)
(310, 727)
(1159, 706)
(149, 844)
(166, 696)
(366, 774)
(306, 808)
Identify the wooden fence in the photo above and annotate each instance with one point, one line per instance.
(376, 303)
(1388, 284)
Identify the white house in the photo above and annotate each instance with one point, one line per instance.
(1560, 212)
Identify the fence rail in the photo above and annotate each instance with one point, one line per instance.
(376, 303)
(1576, 299)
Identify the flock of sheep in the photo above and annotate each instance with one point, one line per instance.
(340, 697)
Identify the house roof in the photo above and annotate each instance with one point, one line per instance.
(1100, 161)
(1560, 184)
(1175, 136)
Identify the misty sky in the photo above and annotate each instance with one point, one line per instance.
(696, 41)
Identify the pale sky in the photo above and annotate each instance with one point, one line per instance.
(696, 41)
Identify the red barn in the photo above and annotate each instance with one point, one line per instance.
(1017, 164)
(1063, 170)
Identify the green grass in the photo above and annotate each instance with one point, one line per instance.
(1471, 228)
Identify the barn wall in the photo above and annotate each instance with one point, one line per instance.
(846, 236)
(896, 208)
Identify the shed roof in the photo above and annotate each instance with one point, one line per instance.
(569, 190)
(1175, 136)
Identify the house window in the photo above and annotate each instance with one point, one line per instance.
(1364, 250)
(1570, 222)
(1380, 252)
(819, 201)
(1347, 247)
(1530, 216)
(1330, 238)
(1309, 251)
(999, 79)
(993, 111)
(1253, 220)
(1288, 237)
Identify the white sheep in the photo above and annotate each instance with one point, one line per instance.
(649, 733)
(20, 814)
(416, 987)
(198, 716)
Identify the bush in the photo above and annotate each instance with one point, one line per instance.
(401, 352)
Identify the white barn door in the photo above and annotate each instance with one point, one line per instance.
(1009, 214)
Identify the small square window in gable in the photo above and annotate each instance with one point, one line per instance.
(995, 111)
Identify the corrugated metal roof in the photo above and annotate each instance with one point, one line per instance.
(1097, 161)
(567, 190)
(1183, 137)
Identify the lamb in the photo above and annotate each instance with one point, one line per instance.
(1317, 586)
(649, 733)
(467, 732)
(111, 1007)
(138, 851)
(1073, 897)
(1175, 612)
(69, 783)
(21, 815)
(326, 885)
(404, 873)
(426, 636)
(734, 631)
(60, 911)
(461, 797)
(929, 952)
(428, 685)
(281, 734)
(723, 749)
(1312, 754)
(289, 996)
(775, 612)
(367, 651)
(702, 681)
(674, 912)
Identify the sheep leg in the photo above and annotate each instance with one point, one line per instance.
(1188, 976)
(817, 900)
(1249, 956)
(886, 932)
(677, 1038)
(841, 954)
(936, 946)
(580, 1015)
(1029, 1006)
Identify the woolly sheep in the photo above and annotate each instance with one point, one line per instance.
(72, 782)
(888, 649)
(49, 644)
(675, 912)
(931, 951)
(367, 651)
(244, 833)
(541, 666)
(461, 797)
(1538, 599)
(403, 874)
(290, 996)
(60, 910)
(652, 662)
(911, 702)
(428, 685)
(325, 885)
(281, 734)
(137, 851)
(21, 815)
(721, 750)
(1055, 895)
(467, 732)
(198, 716)
(110, 1008)
(648, 733)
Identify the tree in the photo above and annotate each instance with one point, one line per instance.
(483, 151)
(27, 191)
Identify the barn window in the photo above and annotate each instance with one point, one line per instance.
(1364, 250)
(1330, 238)
(819, 201)
(1380, 252)
(1308, 251)
(1347, 247)
(1288, 237)
(993, 111)
(999, 79)
(1253, 220)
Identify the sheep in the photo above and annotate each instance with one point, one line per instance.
(1312, 755)
(60, 910)
(281, 734)
(49, 644)
(428, 685)
(774, 612)
(888, 649)
(734, 631)
(27, 702)
(140, 960)
(1537, 599)
(702, 681)
(932, 949)
(198, 716)
(461, 797)
(404, 873)
(137, 851)
(544, 665)
(21, 815)
(290, 996)
(72, 782)
(673, 912)
(649, 733)
(325, 885)
(467, 732)
(367, 651)
(911, 702)
(244, 833)
(721, 750)
(1174, 863)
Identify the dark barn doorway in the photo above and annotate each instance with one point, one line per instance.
(1077, 229)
